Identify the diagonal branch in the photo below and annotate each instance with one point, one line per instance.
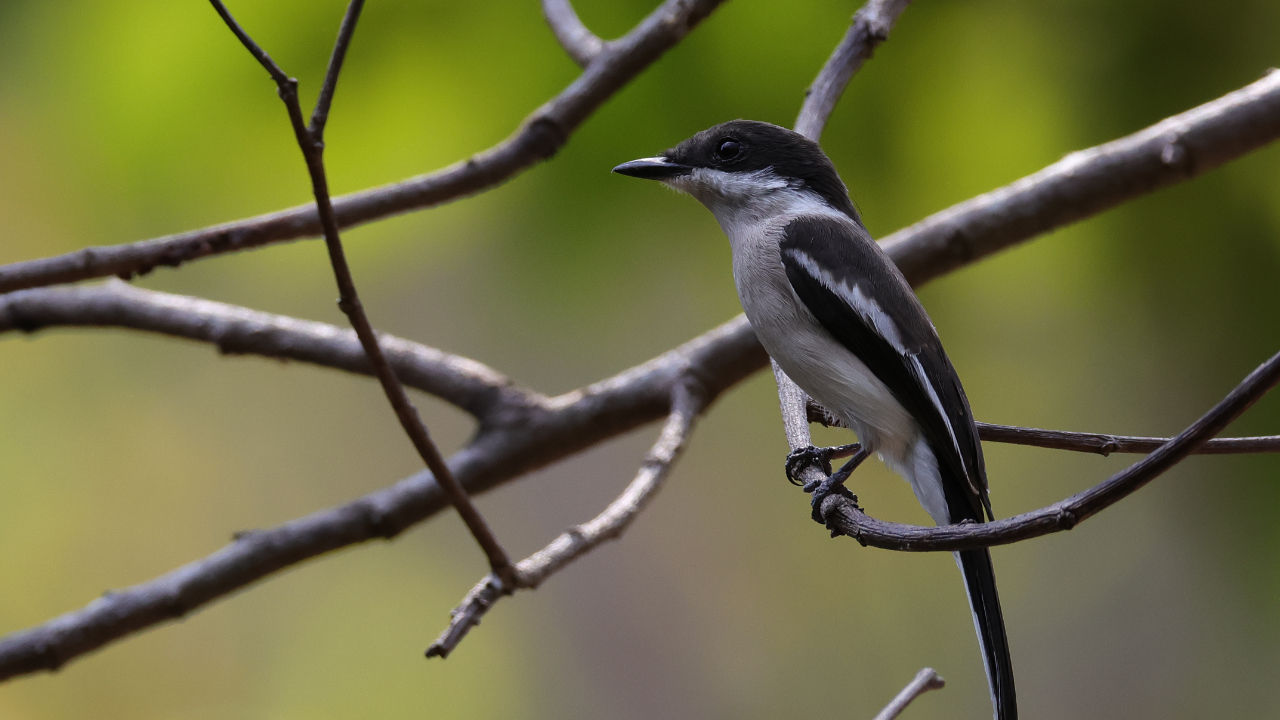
(311, 142)
(870, 27)
(541, 134)
(924, 681)
(844, 517)
(581, 44)
(687, 401)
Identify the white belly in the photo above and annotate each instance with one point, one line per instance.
(810, 356)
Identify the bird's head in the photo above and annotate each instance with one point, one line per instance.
(746, 164)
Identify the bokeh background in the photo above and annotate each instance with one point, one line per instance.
(124, 455)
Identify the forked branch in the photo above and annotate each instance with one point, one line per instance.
(311, 142)
(687, 402)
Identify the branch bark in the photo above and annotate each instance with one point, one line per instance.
(541, 134)
(844, 517)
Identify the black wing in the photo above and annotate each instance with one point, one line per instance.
(858, 294)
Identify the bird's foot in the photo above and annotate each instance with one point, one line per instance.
(802, 458)
(834, 483)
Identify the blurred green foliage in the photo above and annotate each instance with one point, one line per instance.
(127, 455)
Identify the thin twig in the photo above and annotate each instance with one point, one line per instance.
(845, 517)
(320, 116)
(687, 401)
(312, 145)
(537, 138)
(870, 27)
(1097, 443)
(924, 681)
(580, 43)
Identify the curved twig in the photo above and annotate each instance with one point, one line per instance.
(541, 134)
(687, 402)
(581, 44)
(843, 516)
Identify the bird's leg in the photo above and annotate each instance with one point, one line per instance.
(798, 460)
(834, 482)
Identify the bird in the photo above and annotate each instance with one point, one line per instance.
(837, 315)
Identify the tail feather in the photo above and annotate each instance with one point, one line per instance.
(980, 581)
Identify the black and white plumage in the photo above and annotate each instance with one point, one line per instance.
(839, 318)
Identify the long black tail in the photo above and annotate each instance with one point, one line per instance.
(984, 601)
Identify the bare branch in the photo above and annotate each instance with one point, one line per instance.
(870, 27)
(525, 439)
(1106, 444)
(844, 517)
(517, 441)
(320, 115)
(581, 44)
(311, 143)
(538, 138)
(1097, 443)
(472, 386)
(1088, 182)
(924, 681)
(686, 404)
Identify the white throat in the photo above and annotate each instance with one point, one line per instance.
(743, 201)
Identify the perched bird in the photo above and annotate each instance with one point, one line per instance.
(839, 318)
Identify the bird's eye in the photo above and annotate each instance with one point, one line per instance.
(728, 149)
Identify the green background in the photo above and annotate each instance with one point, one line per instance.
(124, 455)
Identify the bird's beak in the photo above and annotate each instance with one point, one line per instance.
(654, 168)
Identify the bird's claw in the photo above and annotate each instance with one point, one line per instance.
(822, 490)
(801, 458)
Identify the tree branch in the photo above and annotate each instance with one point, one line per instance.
(924, 681)
(1097, 443)
(541, 134)
(1088, 182)
(311, 143)
(472, 386)
(870, 27)
(581, 44)
(844, 517)
(514, 442)
(526, 438)
(687, 402)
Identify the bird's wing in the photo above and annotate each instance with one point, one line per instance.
(857, 293)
